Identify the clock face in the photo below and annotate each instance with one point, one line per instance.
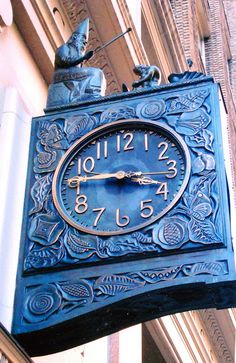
(121, 177)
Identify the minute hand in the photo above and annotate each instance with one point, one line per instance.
(158, 172)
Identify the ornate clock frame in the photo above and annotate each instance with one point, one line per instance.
(89, 285)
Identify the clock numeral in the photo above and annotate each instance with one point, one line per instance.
(102, 150)
(172, 169)
(78, 189)
(163, 189)
(118, 219)
(129, 136)
(164, 146)
(118, 143)
(100, 211)
(146, 142)
(81, 204)
(87, 165)
(79, 166)
(146, 207)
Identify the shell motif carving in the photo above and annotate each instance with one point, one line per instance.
(41, 303)
(151, 110)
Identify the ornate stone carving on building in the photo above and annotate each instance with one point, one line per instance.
(216, 335)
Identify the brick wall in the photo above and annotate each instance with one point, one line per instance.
(230, 9)
(220, 46)
(186, 21)
(218, 53)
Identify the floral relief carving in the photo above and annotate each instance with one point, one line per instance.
(40, 257)
(50, 147)
(42, 303)
(188, 102)
(171, 233)
(193, 222)
(46, 248)
(77, 126)
(54, 298)
(39, 191)
(117, 113)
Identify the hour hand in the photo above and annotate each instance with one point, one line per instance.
(74, 181)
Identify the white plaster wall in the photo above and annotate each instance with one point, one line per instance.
(22, 95)
(96, 351)
(18, 70)
(14, 140)
(128, 350)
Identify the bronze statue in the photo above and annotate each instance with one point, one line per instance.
(72, 82)
(149, 76)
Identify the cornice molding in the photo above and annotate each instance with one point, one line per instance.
(180, 340)
(219, 333)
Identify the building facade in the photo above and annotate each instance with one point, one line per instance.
(175, 35)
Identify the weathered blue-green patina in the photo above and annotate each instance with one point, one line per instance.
(101, 250)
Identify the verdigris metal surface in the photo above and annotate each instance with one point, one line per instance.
(71, 81)
(126, 215)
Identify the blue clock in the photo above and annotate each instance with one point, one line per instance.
(121, 177)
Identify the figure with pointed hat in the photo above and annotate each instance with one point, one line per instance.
(72, 82)
(72, 53)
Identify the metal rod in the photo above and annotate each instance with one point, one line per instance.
(112, 40)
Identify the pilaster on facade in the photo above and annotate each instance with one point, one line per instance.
(161, 38)
(194, 337)
(203, 18)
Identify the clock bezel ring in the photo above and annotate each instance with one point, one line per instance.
(103, 130)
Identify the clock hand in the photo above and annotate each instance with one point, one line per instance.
(145, 180)
(127, 174)
(130, 174)
(72, 182)
(158, 172)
